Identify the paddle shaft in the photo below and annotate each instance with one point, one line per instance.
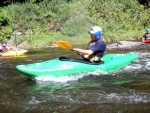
(67, 45)
(79, 54)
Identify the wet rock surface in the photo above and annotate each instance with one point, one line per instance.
(128, 45)
(120, 45)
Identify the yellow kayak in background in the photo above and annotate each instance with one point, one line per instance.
(14, 53)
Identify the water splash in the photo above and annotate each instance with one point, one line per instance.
(147, 66)
(65, 79)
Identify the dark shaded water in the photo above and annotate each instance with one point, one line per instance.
(126, 90)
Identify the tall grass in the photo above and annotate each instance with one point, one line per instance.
(120, 19)
(54, 20)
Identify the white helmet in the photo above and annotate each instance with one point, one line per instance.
(96, 31)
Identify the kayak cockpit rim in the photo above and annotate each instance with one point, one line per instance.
(80, 60)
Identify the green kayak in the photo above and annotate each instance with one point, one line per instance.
(63, 66)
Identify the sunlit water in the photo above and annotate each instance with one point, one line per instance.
(126, 90)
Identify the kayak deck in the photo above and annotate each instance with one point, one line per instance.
(14, 53)
(81, 60)
(68, 66)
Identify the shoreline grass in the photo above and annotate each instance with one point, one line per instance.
(46, 22)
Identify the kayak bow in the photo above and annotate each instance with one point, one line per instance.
(13, 53)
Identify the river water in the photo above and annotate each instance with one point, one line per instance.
(126, 90)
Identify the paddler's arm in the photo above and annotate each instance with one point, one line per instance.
(143, 39)
(83, 51)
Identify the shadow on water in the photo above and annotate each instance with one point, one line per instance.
(123, 91)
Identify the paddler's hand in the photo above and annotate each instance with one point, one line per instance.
(75, 50)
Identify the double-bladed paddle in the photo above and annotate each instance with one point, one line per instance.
(67, 45)
(64, 44)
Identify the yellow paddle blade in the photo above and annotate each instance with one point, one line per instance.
(64, 44)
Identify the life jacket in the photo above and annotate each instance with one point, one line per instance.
(93, 58)
(146, 36)
(96, 57)
(4, 49)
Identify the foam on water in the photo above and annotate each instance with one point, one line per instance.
(132, 98)
(147, 66)
(142, 62)
(65, 79)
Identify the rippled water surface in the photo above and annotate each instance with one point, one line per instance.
(126, 90)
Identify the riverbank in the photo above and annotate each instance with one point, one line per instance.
(40, 24)
(128, 45)
(119, 45)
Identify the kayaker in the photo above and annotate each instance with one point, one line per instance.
(146, 36)
(4, 47)
(96, 47)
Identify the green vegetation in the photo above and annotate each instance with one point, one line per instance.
(43, 23)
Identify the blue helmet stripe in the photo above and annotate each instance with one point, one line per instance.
(98, 35)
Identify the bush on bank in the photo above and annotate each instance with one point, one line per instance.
(48, 21)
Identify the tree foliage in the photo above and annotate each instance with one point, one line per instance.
(8, 2)
(71, 18)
